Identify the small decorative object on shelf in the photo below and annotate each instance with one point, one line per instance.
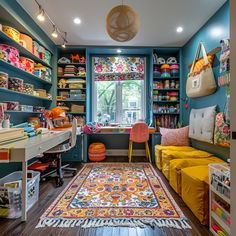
(219, 179)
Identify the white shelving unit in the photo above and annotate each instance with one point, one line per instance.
(219, 179)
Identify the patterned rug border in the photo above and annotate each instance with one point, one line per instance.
(180, 223)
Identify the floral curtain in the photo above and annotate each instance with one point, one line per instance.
(118, 68)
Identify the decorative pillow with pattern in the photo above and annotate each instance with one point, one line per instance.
(175, 137)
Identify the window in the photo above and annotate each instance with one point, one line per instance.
(118, 89)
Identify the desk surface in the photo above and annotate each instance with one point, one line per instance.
(26, 149)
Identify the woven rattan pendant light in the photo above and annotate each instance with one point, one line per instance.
(122, 23)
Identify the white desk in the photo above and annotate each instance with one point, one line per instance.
(24, 150)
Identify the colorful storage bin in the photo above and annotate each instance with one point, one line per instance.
(11, 32)
(36, 48)
(28, 88)
(3, 80)
(15, 84)
(27, 42)
(12, 105)
(26, 108)
(174, 70)
(97, 152)
(9, 54)
(27, 64)
(47, 57)
(165, 71)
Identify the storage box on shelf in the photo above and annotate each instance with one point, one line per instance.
(166, 85)
(71, 73)
(219, 179)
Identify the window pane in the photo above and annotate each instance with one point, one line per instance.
(132, 101)
(106, 101)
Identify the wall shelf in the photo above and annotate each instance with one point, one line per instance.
(71, 100)
(23, 51)
(166, 113)
(165, 101)
(31, 112)
(71, 88)
(12, 68)
(76, 113)
(166, 89)
(23, 94)
(164, 78)
(74, 64)
(72, 77)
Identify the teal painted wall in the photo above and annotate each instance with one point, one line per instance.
(210, 34)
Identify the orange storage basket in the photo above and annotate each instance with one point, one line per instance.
(97, 152)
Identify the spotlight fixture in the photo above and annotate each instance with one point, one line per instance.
(118, 50)
(41, 15)
(77, 21)
(54, 33)
(179, 29)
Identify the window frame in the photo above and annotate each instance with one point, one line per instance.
(118, 88)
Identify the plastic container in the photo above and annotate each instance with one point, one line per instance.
(47, 57)
(27, 64)
(15, 84)
(9, 54)
(27, 42)
(28, 88)
(38, 109)
(26, 108)
(12, 105)
(11, 32)
(12, 196)
(174, 70)
(3, 80)
(41, 92)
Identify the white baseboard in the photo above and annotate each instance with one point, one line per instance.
(124, 152)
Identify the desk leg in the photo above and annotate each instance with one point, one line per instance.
(24, 191)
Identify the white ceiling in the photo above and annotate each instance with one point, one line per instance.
(159, 19)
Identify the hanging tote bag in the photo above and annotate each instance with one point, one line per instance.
(201, 81)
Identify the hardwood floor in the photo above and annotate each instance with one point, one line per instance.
(48, 193)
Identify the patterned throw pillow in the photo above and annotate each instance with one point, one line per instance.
(175, 137)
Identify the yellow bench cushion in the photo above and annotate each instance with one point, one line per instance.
(160, 148)
(177, 164)
(168, 155)
(195, 191)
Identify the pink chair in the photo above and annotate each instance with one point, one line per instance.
(139, 134)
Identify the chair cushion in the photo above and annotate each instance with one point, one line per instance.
(175, 137)
(168, 155)
(195, 191)
(159, 148)
(176, 165)
(201, 124)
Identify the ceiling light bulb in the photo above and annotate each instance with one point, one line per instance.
(41, 15)
(77, 21)
(64, 45)
(118, 51)
(179, 29)
(54, 33)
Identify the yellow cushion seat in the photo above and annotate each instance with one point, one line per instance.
(160, 148)
(168, 155)
(195, 191)
(177, 164)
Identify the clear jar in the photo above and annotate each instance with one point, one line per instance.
(3, 80)
(28, 88)
(15, 84)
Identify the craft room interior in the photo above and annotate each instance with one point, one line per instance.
(116, 117)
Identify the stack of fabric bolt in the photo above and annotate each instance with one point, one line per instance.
(70, 70)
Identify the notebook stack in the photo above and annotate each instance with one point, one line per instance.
(70, 70)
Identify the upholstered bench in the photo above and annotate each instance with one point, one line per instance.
(177, 165)
(160, 148)
(195, 191)
(168, 155)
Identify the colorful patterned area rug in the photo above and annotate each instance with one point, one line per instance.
(115, 194)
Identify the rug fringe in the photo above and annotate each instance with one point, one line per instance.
(88, 223)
